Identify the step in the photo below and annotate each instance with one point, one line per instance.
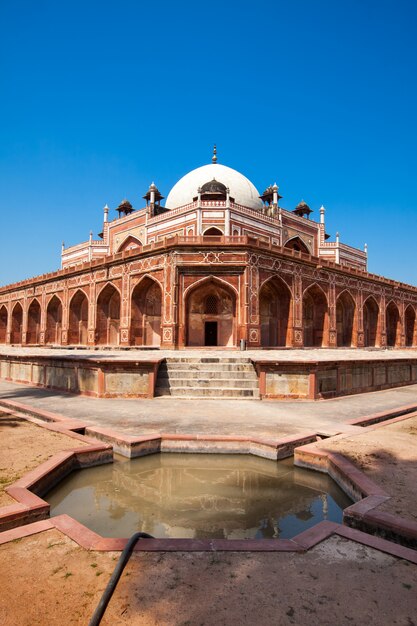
(199, 392)
(216, 383)
(190, 359)
(208, 367)
(206, 375)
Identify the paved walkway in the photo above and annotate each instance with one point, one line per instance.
(222, 417)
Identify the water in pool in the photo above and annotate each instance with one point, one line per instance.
(199, 496)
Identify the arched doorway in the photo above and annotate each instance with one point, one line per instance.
(211, 314)
(296, 243)
(315, 317)
(145, 325)
(345, 319)
(370, 322)
(3, 324)
(34, 323)
(392, 324)
(17, 324)
(213, 232)
(410, 325)
(108, 316)
(274, 313)
(78, 319)
(53, 321)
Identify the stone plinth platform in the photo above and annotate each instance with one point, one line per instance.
(282, 374)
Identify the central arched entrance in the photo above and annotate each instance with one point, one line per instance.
(315, 317)
(108, 316)
(145, 326)
(345, 319)
(211, 314)
(274, 313)
(53, 321)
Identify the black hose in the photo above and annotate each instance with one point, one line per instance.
(118, 570)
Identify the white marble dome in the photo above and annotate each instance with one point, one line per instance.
(241, 189)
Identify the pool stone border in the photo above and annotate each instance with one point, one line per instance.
(30, 509)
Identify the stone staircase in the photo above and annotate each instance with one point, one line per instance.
(207, 377)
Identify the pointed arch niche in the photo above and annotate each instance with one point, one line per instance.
(211, 314)
(392, 325)
(213, 232)
(410, 326)
(370, 322)
(315, 317)
(130, 243)
(108, 316)
(296, 243)
(145, 326)
(53, 321)
(17, 323)
(274, 312)
(34, 323)
(78, 319)
(346, 320)
(3, 324)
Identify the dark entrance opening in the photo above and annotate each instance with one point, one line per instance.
(210, 334)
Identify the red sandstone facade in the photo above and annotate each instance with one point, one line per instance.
(222, 267)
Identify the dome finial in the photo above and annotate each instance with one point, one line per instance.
(214, 157)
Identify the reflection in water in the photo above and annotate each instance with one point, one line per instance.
(199, 496)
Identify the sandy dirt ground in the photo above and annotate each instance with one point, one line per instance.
(24, 446)
(337, 583)
(388, 455)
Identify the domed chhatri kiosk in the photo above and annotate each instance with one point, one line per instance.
(216, 264)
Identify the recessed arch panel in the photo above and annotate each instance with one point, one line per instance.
(370, 322)
(345, 320)
(274, 312)
(315, 317)
(53, 321)
(3, 324)
(296, 243)
(130, 243)
(213, 232)
(108, 316)
(33, 322)
(78, 318)
(410, 329)
(17, 323)
(392, 324)
(146, 307)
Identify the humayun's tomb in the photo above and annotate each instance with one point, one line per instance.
(217, 265)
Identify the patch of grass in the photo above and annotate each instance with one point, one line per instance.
(93, 565)
(99, 573)
(407, 586)
(67, 574)
(57, 569)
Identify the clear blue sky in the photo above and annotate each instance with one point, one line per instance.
(98, 99)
